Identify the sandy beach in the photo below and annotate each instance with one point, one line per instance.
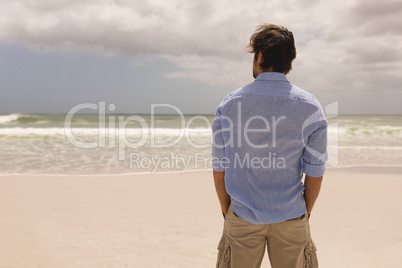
(174, 220)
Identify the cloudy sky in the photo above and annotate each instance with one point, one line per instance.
(55, 54)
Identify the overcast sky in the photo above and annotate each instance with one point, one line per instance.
(55, 54)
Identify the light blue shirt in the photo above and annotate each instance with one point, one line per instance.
(265, 136)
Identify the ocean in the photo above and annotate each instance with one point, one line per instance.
(41, 144)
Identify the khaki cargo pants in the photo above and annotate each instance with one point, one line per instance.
(289, 244)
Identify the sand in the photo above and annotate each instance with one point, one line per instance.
(174, 220)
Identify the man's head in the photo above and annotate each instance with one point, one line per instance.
(274, 49)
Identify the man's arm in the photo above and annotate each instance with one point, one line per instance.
(224, 198)
(312, 186)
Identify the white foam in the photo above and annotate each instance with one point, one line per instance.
(22, 132)
(8, 118)
(370, 147)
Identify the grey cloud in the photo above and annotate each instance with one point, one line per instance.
(343, 45)
(373, 55)
(372, 8)
(367, 18)
(134, 27)
(203, 27)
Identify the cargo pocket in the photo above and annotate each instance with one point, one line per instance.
(310, 255)
(223, 260)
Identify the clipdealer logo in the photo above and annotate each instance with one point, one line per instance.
(112, 137)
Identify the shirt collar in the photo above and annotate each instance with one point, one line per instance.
(271, 76)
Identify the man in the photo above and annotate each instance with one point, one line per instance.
(265, 136)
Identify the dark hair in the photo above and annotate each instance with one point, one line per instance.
(277, 45)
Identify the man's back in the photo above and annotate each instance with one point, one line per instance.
(265, 127)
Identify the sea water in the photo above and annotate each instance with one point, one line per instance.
(40, 144)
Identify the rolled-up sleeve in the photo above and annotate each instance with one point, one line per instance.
(315, 151)
(218, 150)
